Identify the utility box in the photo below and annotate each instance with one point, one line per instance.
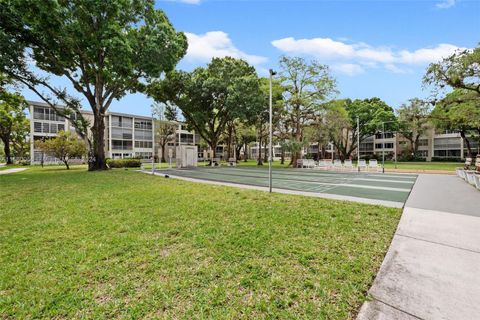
(186, 156)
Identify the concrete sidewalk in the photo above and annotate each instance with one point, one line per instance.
(13, 170)
(432, 268)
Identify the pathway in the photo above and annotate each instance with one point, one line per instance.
(432, 268)
(13, 170)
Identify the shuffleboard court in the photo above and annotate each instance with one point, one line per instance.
(380, 188)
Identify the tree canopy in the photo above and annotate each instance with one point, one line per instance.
(307, 84)
(209, 97)
(105, 48)
(13, 121)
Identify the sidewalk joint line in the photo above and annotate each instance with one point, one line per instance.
(398, 309)
(439, 243)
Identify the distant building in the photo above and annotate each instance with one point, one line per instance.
(126, 135)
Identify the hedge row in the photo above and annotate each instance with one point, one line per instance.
(124, 163)
(451, 159)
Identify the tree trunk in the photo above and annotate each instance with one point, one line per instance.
(98, 162)
(6, 150)
(467, 143)
(265, 154)
(282, 156)
(259, 156)
(66, 164)
(318, 152)
(245, 154)
(163, 152)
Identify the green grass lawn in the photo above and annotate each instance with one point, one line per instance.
(424, 165)
(121, 244)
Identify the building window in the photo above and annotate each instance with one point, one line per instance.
(143, 124)
(388, 145)
(143, 144)
(423, 142)
(143, 135)
(121, 145)
(380, 135)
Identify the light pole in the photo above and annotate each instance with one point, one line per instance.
(358, 144)
(383, 147)
(270, 157)
(153, 143)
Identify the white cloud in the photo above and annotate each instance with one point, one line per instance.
(445, 4)
(348, 69)
(320, 47)
(427, 55)
(347, 55)
(203, 47)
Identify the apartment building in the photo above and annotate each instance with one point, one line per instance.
(126, 135)
(433, 144)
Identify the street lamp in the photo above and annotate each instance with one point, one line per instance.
(272, 73)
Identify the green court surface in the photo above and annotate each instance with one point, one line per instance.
(386, 187)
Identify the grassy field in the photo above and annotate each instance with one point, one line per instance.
(121, 244)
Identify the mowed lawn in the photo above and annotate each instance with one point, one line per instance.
(121, 244)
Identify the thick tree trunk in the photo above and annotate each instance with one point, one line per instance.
(6, 150)
(245, 153)
(282, 156)
(163, 152)
(66, 164)
(98, 162)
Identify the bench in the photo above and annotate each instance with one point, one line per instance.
(337, 164)
(373, 164)
(348, 164)
(232, 162)
(362, 164)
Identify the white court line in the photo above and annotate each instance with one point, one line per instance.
(386, 203)
(324, 183)
(335, 174)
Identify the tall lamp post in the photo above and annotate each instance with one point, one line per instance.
(153, 143)
(270, 138)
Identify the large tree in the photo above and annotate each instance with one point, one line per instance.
(413, 121)
(209, 97)
(306, 85)
(461, 70)
(13, 122)
(373, 116)
(459, 110)
(104, 48)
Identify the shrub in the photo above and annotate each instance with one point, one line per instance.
(437, 159)
(124, 163)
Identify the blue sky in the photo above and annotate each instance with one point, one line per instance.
(374, 48)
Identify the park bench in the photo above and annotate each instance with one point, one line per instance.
(299, 163)
(309, 163)
(373, 164)
(348, 165)
(323, 164)
(362, 164)
(232, 162)
(337, 164)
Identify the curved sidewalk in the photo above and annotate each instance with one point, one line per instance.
(432, 268)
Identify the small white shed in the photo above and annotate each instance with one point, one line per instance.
(186, 156)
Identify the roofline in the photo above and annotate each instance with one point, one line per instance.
(43, 104)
